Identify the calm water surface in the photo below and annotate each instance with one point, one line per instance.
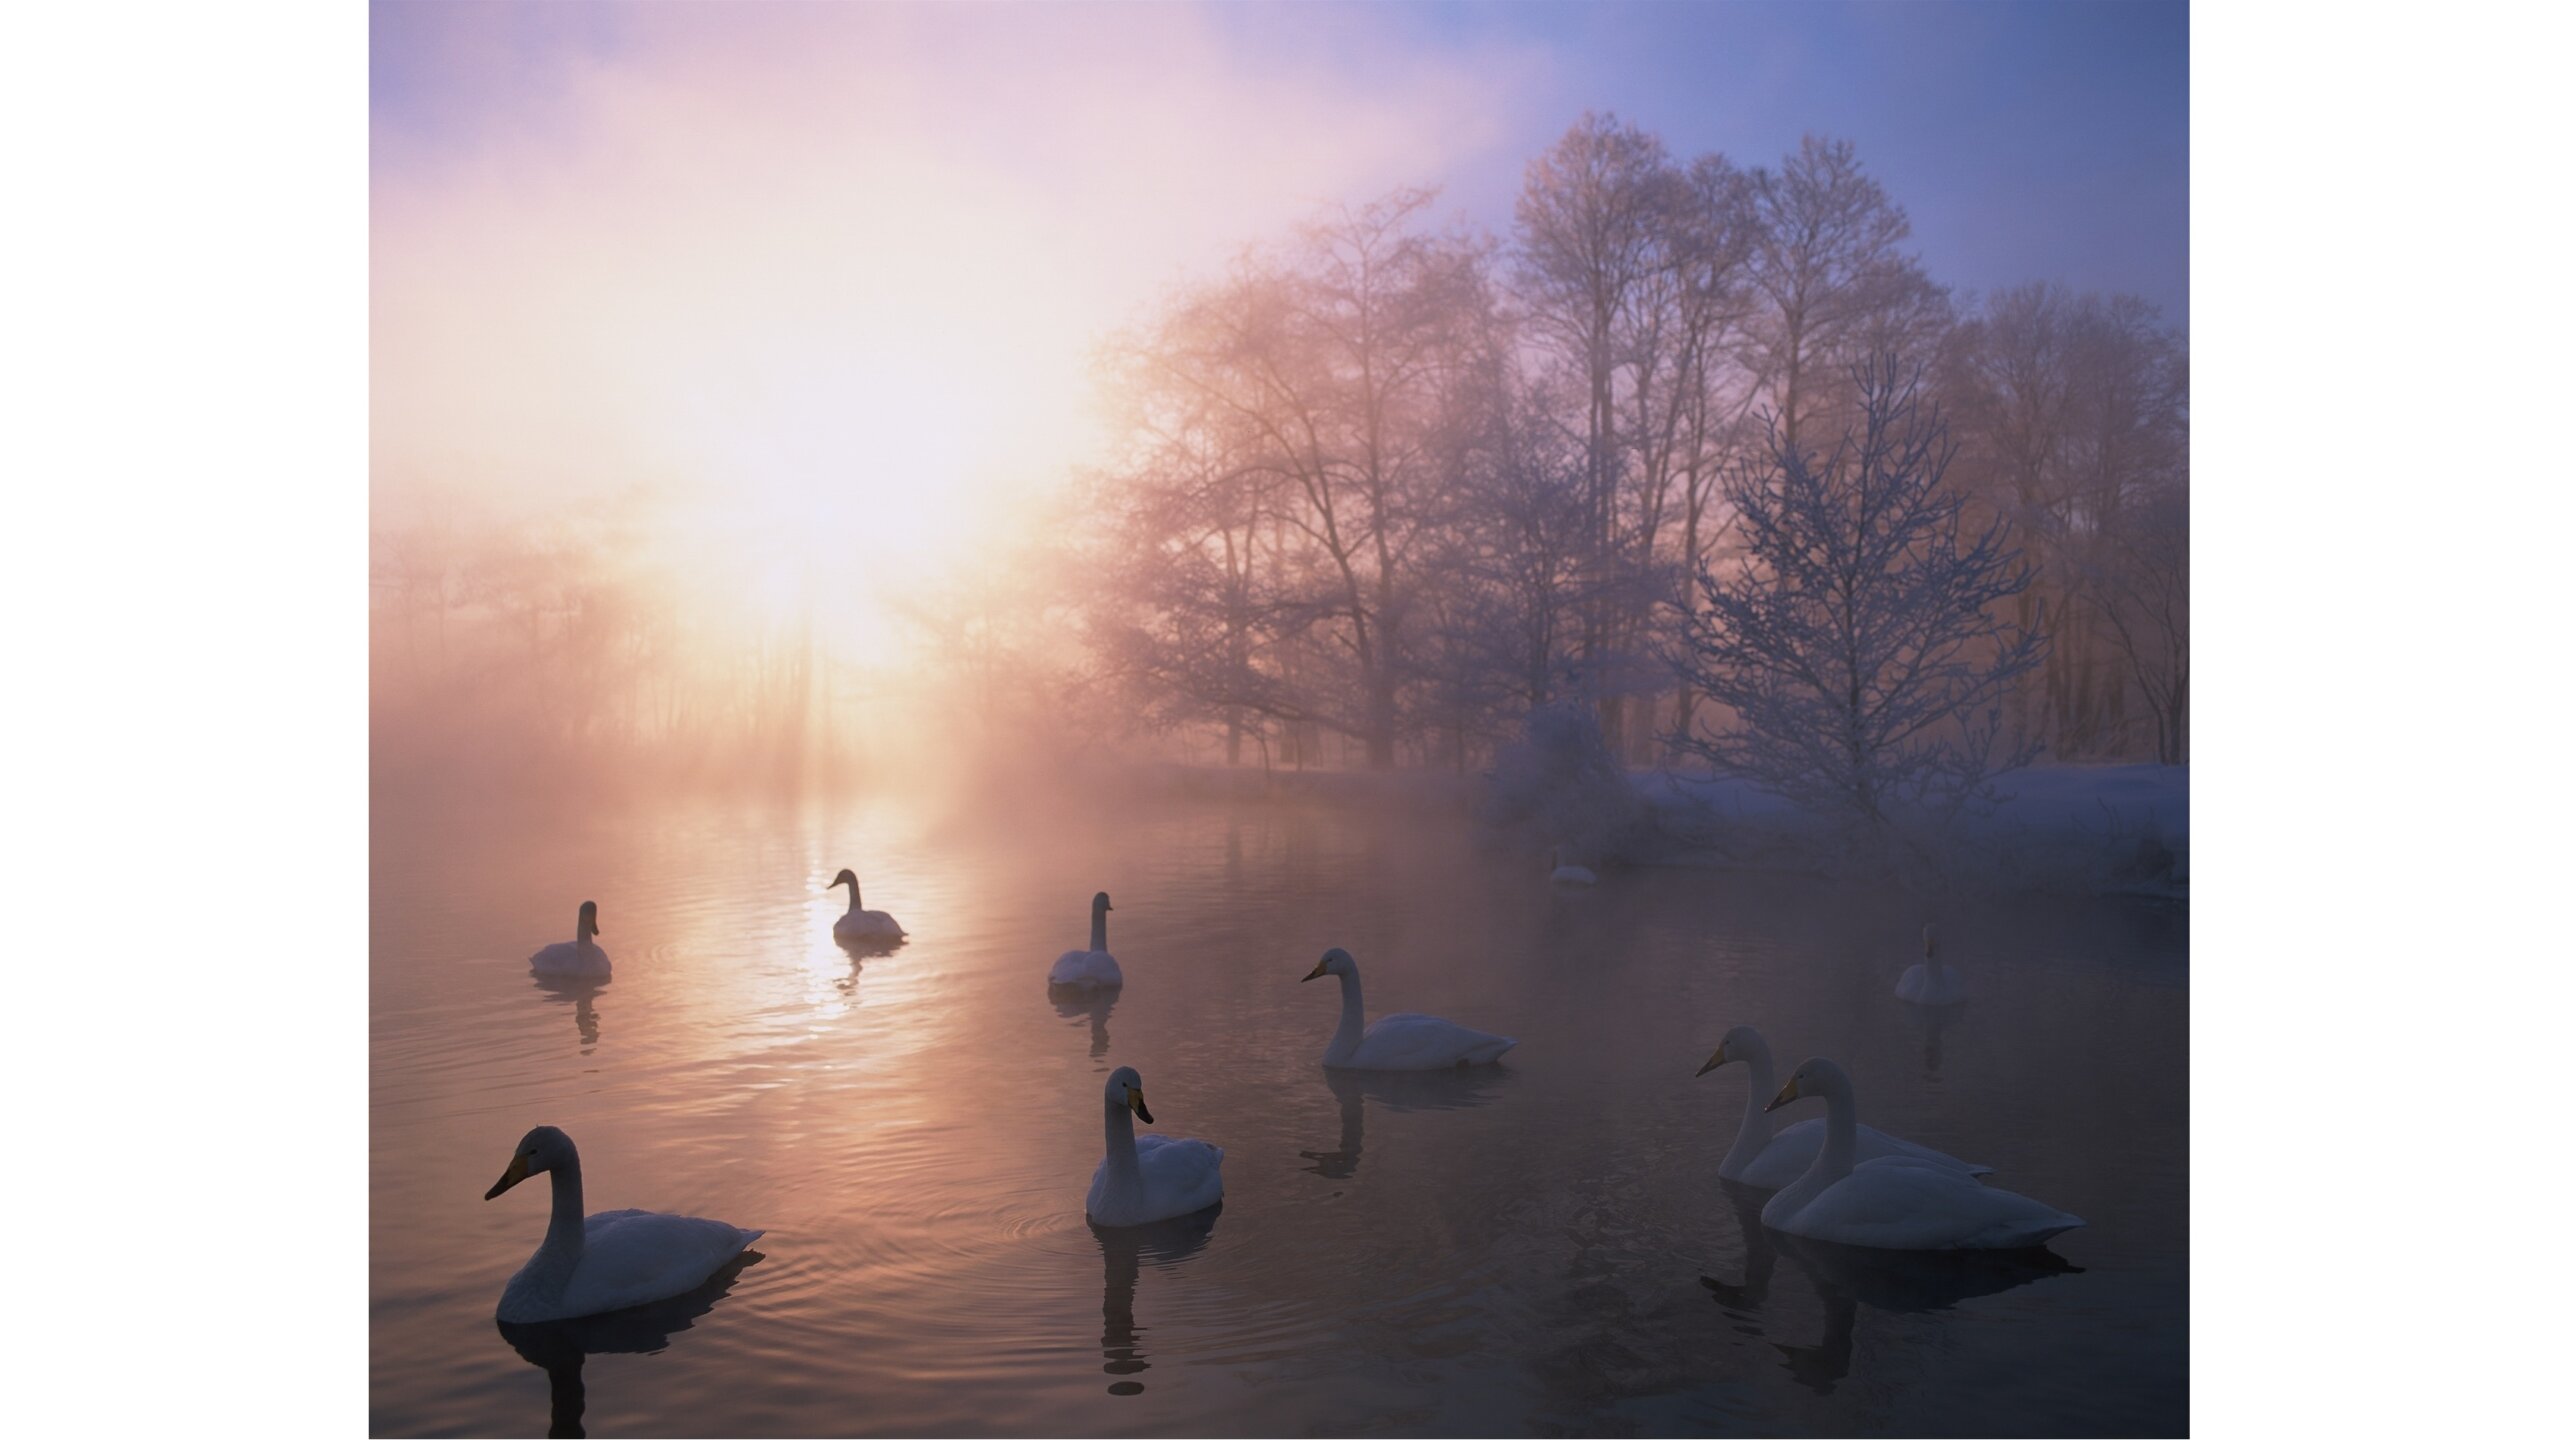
(1542, 1248)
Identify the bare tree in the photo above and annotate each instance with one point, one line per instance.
(2138, 586)
(1858, 644)
(1631, 271)
(1837, 283)
(1281, 573)
(2072, 411)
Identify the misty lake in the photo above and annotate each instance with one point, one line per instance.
(1539, 1248)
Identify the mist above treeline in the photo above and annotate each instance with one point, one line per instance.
(1375, 492)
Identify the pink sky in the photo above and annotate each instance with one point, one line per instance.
(828, 279)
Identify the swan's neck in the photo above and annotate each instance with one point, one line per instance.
(566, 1240)
(1347, 1035)
(1119, 1151)
(1839, 1141)
(1098, 943)
(586, 933)
(853, 897)
(1757, 1125)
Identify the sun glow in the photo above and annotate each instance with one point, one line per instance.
(813, 326)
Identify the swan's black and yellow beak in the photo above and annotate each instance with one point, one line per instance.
(516, 1171)
(1138, 1102)
(1713, 1061)
(1785, 1095)
(1310, 975)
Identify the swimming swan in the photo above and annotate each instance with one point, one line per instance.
(1090, 969)
(1563, 874)
(1930, 983)
(580, 957)
(1143, 1179)
(857, 923)
(1895, 1202)
(1766, 1160)
(588, 1264)
(1398, 1042)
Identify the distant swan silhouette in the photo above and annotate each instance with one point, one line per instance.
(1091, 968)
(1563, 874)
(857, 923)
(1398, 1042)
(1146, 1178)
(1929, 982)
(581, 956)
(588, 1264)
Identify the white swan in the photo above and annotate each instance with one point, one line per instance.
(1929, 982)
(1895, 1202)
(1143, 1179)
(1563, 874)
(583, 956)
(857, 923)
(1766, 1160)
(588, 1264)
(1090, 969)
(1398, 1042)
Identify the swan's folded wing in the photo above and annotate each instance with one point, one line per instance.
(1081, 968)
(1874, 1144)
(568, 959)
(635, 1256)
(1181, 1175)
(1897, 1203)
(1426, 1042)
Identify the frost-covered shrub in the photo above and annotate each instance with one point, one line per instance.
(1557, 785)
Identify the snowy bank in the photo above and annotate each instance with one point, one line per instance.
(2072, 829)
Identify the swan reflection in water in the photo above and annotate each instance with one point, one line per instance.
(561, 1347)
(1093, 1008)
(1844, 1277)
(1933, 1022)
(1124, 1250)
(1398, 1090)
(581, 991)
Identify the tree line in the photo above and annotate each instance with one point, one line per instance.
(1398, 483)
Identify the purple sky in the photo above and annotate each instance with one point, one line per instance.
(2028, 141)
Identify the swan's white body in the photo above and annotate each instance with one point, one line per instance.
(582, 957)
(589, 1264)
(1089, 969)
(1563, 874)
(857, 923)
(1929, 982)
(1895, 1202)
(1146, 1178)
(1767, 1158)
(1399, 1042)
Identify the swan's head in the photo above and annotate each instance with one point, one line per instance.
(1101, 901)
(843, 877)
(1123, 1089)
(1740, 1045)
(544, 1147)
(1813, 1077)
(587, 919)
(1336, 961)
